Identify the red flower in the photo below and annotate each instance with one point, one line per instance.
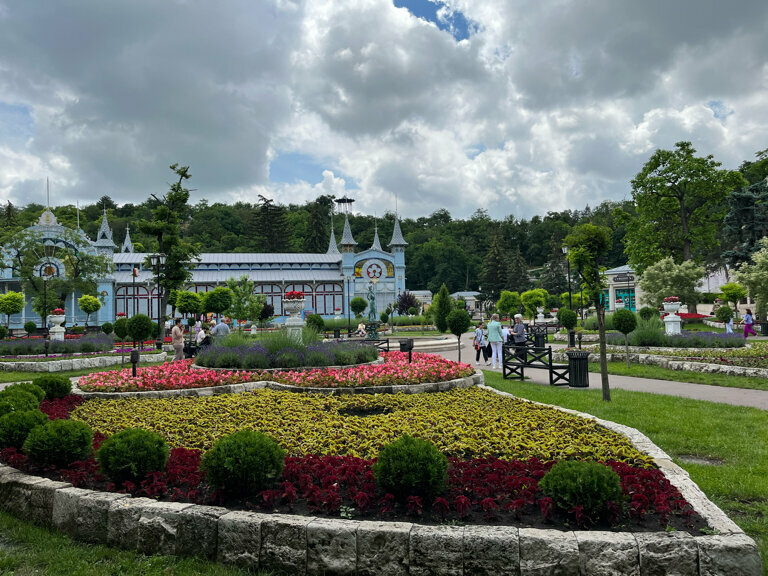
(57, 311)
(294, 295)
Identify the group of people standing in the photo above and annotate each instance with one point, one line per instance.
(488, 342)
(203, 335)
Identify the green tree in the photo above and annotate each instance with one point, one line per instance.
(625, 321)
(554, 276)
(494, 275)
(318, 217)
(11, 303)
(665, 278)
(745, 223)
(358, 306)
(517, 272)
(509, 303)
(754, 276)
(269, 227)
(680, 201)
(189, 303)
(168, 213)
(405, 302)
(588, 246)
(532, 299)
(733, 292)
(140, 327)
(441, 307)
(217, 301)
(458, 322)
(89, 305)
(245, 304)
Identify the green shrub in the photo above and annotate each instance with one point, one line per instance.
(33, 389)
(17, 400)
(243, 463)
(107, 328)
(724, 314)
(590, 322)
(411, 467)
(228, 360)
(648, 333)
(30, 327)
(287, 359)
(234, 339)
(131, 454)
(624, 321)
(589, 484)
(77, 330)
(646, 313)
(59, 443)
(412, 311)
(315, 321)
(140, 327)
(55, 385)
(3, 332)
(383, 317)
(567, 318)
(16, 426)
(255, 362)
(121, 328)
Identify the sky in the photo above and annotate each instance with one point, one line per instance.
(517, 107)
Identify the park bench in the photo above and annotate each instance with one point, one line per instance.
(515, 359)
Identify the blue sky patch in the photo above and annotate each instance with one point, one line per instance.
(719, 109)
(450, 21)
(16, 124)
(292, 167)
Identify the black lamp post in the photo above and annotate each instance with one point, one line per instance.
(349, 300)
(158, 260)
(568, 262)
(45, 301)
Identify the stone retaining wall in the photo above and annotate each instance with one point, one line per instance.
(475, 380)
(80, 363)
(672, 364)
(316, 546)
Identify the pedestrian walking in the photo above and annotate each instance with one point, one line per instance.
(495, 340)
(177, 339)
(748, 321)
(479, 343)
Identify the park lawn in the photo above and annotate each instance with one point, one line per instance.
(26, 549)
(659, 373)
(701, 327)
(14, 376)
(732, 435)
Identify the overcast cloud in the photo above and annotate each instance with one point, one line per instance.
(518, 107)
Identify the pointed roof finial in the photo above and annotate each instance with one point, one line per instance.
(346, 236)
(332, 247)
(376, 244)
(127, 244)
(397, 236)
(104, 235)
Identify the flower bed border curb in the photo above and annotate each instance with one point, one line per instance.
(475, 379)
(67, 364)
(310, 545)
(297, 369)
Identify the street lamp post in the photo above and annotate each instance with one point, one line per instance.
(45, 301)
(349, 299)
(571, 339)
(133, 286)
(157, 261)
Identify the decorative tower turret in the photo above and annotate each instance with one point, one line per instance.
(127, 244)
(397, 245)
(104, 243)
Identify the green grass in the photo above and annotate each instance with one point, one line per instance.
(734, 435)
(700, 327)
(659, 373)
(17, 376)
(26, 549)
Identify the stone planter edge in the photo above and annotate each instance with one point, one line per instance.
(76, 363)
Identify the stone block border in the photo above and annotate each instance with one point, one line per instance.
(671, 363)
(76, 363)
(428, 387)
(316, 546)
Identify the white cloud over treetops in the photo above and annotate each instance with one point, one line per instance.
(546, 106)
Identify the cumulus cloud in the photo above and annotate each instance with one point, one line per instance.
(543, 106)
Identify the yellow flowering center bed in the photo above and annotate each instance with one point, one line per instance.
(465, 423)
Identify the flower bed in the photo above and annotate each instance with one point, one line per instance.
(63, 356)
(463, 423)
(684, 340)
(32, 346)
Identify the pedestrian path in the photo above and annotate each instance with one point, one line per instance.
(734, 396)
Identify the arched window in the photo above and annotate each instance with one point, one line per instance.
(132, 300)
(274, 295)
(329, 299)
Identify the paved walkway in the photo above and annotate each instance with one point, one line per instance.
(735, 396)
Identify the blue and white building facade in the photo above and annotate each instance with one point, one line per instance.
(329, 281)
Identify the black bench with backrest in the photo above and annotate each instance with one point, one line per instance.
(515, 359)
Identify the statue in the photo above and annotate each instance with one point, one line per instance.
(372, 316)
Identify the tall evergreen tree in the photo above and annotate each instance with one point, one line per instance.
(554, 277)
(745, 223)
(517, 279)
(442, 305)
(319, 215)
(271, 232)
(494, 275)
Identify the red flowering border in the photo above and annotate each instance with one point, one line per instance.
(294, 295)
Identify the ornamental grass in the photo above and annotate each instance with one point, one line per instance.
(465, 423)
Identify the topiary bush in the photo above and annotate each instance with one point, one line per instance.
(567, 318)
(17, 400)
(589, 484)
(646, 313)
(316, 322)
(33, 389)
(107, 328)
(16, 426)
(140, 327)
(59, 443)
(30, 327)
(54, 385)
(411, 467)
(724, 314)
(243, 463)
(131, 454)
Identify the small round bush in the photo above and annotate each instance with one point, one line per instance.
(107, 328)
(140, 327)
(17, 400)
(33, 389)
(3, 332)
(121, 328)
(567, 318)
(30, 327)
(646, 313)
(244, 463)
(315, 321)
(16, 426)
(624, 321)
(412, 311)
(131, 454)
(724, 314)
(55, 385)
(59, 443)
(411, 467)
(589, 484)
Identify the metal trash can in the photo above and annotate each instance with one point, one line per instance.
(406, 345)
(571, 339)
(578, 368)
(540, 339)
(763, 328)
(337, 333)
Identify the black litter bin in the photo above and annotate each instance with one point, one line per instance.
(337, 333)
(571, 339)
(406, 345)
(540, 339)
(578, 367)
(764, 328)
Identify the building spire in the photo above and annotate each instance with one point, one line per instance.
(104, 243)
(127, 244)
(397, 236)
(347, 242)
(332, 247)
(376, 244)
